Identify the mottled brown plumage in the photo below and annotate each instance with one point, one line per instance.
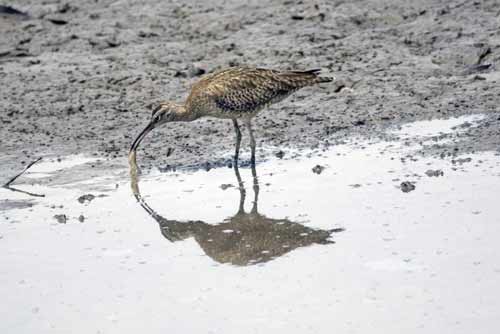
(234, 93)
(241, 92)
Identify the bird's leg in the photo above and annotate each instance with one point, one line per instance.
(255, 189)
(238, 141)
(241, 187)
(252, 141)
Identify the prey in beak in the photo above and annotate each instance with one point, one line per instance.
(132, 159)
(141, 136)
(164, 113)
(159, 115)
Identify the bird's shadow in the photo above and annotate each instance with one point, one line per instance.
(243, 239)
(207, 165)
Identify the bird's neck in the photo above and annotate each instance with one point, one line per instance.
(183, 114)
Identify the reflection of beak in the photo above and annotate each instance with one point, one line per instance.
(141, 136)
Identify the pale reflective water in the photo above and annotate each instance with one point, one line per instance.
(342, 251)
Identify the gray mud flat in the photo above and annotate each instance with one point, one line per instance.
(345, 250)
(81, 76)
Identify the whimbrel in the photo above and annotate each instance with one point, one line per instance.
(234, 93)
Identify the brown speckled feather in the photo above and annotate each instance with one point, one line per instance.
(243, 91)
(237, 92)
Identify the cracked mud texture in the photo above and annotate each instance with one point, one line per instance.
(82, 76)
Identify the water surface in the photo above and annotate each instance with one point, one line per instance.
(276, 249)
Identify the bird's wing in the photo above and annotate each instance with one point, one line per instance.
(243, 89)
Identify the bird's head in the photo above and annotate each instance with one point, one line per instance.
(165, 112)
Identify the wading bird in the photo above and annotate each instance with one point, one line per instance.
(234, 93)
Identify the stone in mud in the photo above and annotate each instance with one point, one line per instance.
(180, 74)
(407, 186)
(318, 169)
(196, 72)
(280, 154)
(57, 21)
(61, 219)
(431, 173)
(86, 198)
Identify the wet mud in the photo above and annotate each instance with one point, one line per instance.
(374, 198)
(81, 77)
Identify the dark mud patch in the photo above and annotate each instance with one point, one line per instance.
(434, 173)
(11, 11)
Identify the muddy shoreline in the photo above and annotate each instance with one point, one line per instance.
(82, 77)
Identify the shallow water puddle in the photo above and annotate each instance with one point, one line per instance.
(437, 126)
(345, 250)
(48, 167)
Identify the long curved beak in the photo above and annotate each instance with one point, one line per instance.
(141, 136)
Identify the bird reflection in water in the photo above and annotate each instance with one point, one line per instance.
(243, 239)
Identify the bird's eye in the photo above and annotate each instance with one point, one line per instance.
(155, 110)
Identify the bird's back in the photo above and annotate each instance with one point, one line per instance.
(243, 91)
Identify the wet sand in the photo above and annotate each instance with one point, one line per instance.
(82, 77)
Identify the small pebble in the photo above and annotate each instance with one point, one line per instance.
(61, 219)
(225, 186)
(318, 169)
(86, 198)
(280, 154)
(407, 186)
